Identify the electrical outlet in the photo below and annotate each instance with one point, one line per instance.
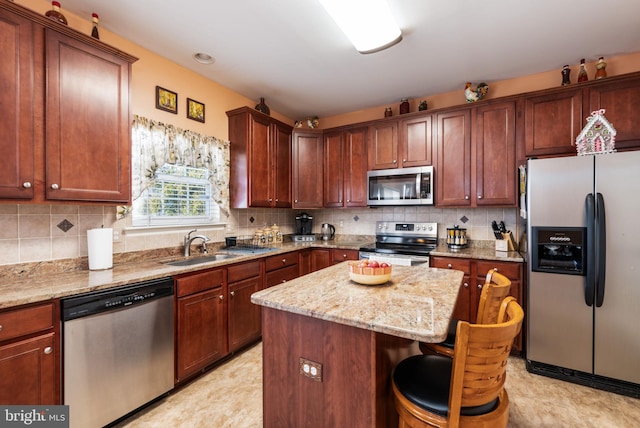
(311, 369)
(116, 236)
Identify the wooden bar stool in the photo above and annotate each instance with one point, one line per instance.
(494, 290)
(466, 390)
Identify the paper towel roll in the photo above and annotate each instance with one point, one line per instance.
(100, 248)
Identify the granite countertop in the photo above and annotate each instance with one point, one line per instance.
(40, 283)
(479, 252)
(416, 303)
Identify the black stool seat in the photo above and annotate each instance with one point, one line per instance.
(425, 380)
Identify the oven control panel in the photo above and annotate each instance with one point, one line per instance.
(406, 228)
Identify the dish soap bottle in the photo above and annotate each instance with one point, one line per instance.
(55, 13)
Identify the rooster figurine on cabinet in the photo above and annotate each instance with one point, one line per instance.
(477, 94)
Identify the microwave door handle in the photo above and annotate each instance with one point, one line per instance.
(417, 186)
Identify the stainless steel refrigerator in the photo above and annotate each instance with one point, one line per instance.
(583, 303)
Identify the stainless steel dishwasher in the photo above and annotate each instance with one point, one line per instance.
(117, 350)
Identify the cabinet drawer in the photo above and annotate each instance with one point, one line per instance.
(243, 271)
(338, 255)
(282, 275)
(510, 270)
(20, 322)
(199, 281)
(281, 260)
(451, 263)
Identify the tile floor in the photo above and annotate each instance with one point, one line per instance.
(231, 396)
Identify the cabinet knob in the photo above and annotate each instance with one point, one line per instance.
(449, 266)
(233, 293)
(495, 269)
(479, 196)
(466, 197)
(284, 280)
(404, 161)
(395, 161)
(26, 184)
(0, 327)
(479, 285)
(344, 256)
(295, 200)
(284, 261)
(221, 297)
(466, 285)
(54, 186)
(348, 200)
(277, 200)
(270, 199)
(48, 350)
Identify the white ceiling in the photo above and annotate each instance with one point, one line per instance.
(292, 53)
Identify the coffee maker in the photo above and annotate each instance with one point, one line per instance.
(304, 224)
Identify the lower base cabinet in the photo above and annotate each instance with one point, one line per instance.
(281, 268)
(245, 324)
(30, 355)
(201, 326)
(475, 272)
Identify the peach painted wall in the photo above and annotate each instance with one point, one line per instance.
(152, 69)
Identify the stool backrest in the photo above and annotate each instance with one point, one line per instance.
(494, 290)
(480, 359)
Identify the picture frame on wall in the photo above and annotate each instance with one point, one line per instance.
(166, 100)
(195, 110)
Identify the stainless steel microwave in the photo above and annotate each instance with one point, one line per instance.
(402, 186)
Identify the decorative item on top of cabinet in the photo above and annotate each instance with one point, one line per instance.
(473, 95)
(313, 122)
(260, 160)
(388, 112)
(566, 75)
(55, 13)
(422, 106)
(598, 135)
(582, 73)
(601, 69)
(404, 106)
(307, 168)
(94, 26)
(263, 107)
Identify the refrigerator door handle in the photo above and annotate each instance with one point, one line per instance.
(590, 282)
(601, 248)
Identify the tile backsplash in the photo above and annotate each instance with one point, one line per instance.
(31, 233)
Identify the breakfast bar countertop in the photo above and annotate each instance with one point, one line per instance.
(416, 303)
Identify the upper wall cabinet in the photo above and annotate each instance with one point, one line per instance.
(260, 160)
(453, 158)
(345, 168)
(307, 168)
(400, 143)
(72, 142)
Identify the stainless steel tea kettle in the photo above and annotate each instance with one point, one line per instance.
(327, 231)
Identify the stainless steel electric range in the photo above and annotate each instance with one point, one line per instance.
(402, 243)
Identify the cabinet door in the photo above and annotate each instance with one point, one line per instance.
(333, 170)
(201, 331)
(383, 145)
(320, 259)
(244, 316)
(29, 370)
(620, 100)
(339, 255)
(355, 168)
(260, 162)
(88, 136)
(495, 152)
(307, 169)
(415, 141)
(17, 106)
(453, 165)
(552, 123)
(304, 261)
(466, 298)
(281, 166)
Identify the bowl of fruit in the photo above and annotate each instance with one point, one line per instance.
(369, 272)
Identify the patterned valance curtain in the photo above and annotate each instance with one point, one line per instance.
(155, 143)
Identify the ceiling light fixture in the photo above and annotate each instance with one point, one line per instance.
(367, 23)
(203, 58)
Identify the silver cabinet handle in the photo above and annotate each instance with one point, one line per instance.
(54, 186)
(449, 266)
(295, 200)
(479, 285)
(284, 261)
(344, 256)
(233, 293)
(466, 196)
(479, 196)
(26, 184)
(221, 297)
(395, 161)
(270, 199)
(0, 327)
(404, 161)
(48, 350)
(277, 200)
(466, 285)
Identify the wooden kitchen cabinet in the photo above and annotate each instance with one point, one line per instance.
(307, 168)
(552, 121)
(494, 145)
(345, 168)
(400, 143)
(320, 258)
(201, 321)
(30, 355)
(65, 113)
(453, 158)
(339, 255)
(475, 272)
(281, 268)
(382, 146)
(260, 160)
(244, 317)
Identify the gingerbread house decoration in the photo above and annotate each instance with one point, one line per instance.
(598, 135)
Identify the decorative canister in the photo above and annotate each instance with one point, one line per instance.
(404, 106)
(277, 235)
(388, 112)
(262, 107)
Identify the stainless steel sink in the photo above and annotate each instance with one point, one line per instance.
(202, 259)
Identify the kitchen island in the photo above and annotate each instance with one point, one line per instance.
(330, 345)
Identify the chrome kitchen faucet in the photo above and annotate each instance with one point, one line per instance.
(188, 239)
